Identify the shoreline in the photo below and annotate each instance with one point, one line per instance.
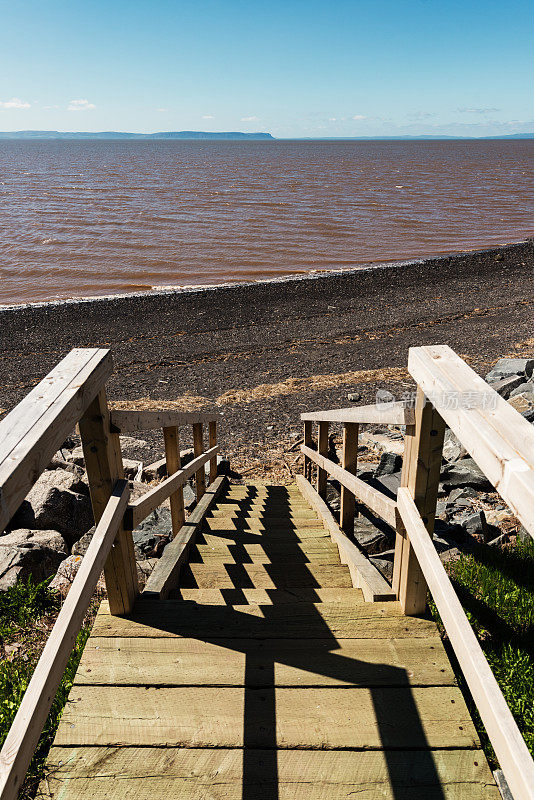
(264, 352)
(170, 291)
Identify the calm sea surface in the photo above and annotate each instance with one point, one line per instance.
(79, 219)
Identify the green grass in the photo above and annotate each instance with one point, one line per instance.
(496, 589)
(27, 613)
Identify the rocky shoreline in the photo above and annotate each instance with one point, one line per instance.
(50, 532)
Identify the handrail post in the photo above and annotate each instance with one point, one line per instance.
(322, 449)
(423, 447)
(171, 437)
(308, 442)
(198, 449)
(350, 463)
(103, 462)
(212, 432)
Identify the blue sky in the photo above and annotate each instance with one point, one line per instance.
(293, 68)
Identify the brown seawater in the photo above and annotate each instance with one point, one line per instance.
(88, 218)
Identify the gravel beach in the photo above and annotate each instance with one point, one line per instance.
(264, 352)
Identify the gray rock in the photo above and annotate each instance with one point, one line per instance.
(464, 473)
(391, 482)
(132, 448)
(354, 397)
(76, 456)
(453, 449)
(190, 497)
(131, 468)
(507, 386)
(67, 571)
(523, 388)
(389, 464)
(30, 553)
(153, 534)
(506, 367)
(58, 501)
(383, 565)
(372, 540)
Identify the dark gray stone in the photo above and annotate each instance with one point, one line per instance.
(153, 534)
(372, 540)
(383, 565)
(464, 473)
(507, 386)
(506, 367)
(389, 464)
(526, 388)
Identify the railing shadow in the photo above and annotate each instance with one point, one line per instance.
(397, 718)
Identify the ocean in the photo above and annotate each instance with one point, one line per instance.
(91, 218)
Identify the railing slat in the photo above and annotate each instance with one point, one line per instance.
(25, 731)
(171, 438)
(511, 750)
(383, 506)
(128, 421)
(198, 449)
(39, 424)
(379, 413)
(141, 508)
(499, 439)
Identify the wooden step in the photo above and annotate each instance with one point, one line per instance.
(240, 662)
(265, 576)
(164, 619)
(318, 718)
(284, 528)
(100, 773)
(264, 554)
(248, 521)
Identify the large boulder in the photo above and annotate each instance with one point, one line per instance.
(506, 367)
(453, 449)
(464, 473)
(153, 534)
(58, 501)
(29, 554)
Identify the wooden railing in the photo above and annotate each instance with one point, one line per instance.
(74, 392)
(501, 441)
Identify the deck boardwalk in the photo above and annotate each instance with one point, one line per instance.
(267, 677)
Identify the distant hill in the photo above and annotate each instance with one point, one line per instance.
(123, 135)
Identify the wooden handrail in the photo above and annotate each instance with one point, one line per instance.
(33, 431)
(377, 501)
(379, 413)
(499, 439)
(511, 750)
(25, 731)
(141, 508)
(132, 420)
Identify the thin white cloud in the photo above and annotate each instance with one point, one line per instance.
(14, 103)
(162, 110)
(478, 110)
(359, 116)
(250, 119)
(208, 116)
(49, 107)
(332, 119)
(80, 105)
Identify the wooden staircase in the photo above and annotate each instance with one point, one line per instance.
(266, 676)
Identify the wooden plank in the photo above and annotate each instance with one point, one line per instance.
(103, 462)
(421, 471)
(32, 432)
(197, 774)
(320, 718)
(275, 526)
(349, 462)
(141, 508)
(231, 531)
(198, 447)
(212, 441)
(308, 442)
(298, 662)
(229, 597)
(132, 420)
(282, 512)
(278, 550)
(378, 502)
(509, 746)
(322, 447)
(499, 439)
(304, 620)
(265, 576)
(166, 573)
(214, 556)
(382, 413)
(373, 584)
(171, 437)
(25, 731)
